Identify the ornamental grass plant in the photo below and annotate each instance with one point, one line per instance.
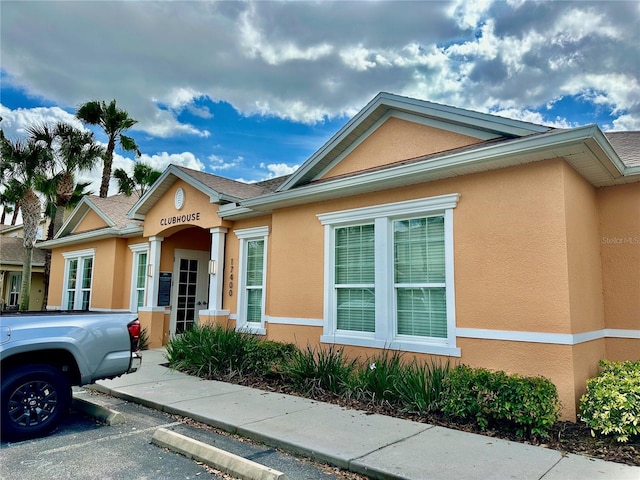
(525, 406)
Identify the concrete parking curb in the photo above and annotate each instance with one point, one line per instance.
(214, 457)
(99, 412)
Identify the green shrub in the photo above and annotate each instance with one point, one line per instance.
(268, 358)
(213, 352)
(413, 387)
(314, 372)
(375, 380)
(143, 341)
(528, 405)
(421, 385)
(611, 405)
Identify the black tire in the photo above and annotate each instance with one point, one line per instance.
(34, 399)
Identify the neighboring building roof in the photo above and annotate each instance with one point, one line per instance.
(12, 252)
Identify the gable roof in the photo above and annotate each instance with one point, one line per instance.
(385, 105)
(219, 189)
(113, 210)
(586, 149)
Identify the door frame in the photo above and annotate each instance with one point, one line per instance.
(202, 288)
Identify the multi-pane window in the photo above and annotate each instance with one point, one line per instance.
(139, 275)
(78, 279)
(390, 279)
(14, 289)
(252, 268)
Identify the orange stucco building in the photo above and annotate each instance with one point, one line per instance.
(433, 230)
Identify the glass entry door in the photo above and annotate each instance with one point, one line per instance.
(190, 289)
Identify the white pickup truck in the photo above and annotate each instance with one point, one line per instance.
(43, 354)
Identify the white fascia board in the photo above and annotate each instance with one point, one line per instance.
(546, 145)
(92, 236)
(483, 121)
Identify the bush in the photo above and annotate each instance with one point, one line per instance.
(414, 387)
(314, 372)
(611, 405)
(143, 342)
(527, 405)
(213, 352)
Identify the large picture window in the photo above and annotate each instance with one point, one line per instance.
(253, 269)
(389, 276)
(78, 280)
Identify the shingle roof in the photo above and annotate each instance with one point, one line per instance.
(12, 252)
(627, 145)
(115, 208)
(223, 185)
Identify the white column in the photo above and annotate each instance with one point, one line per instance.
(216, 268)
(155, 249)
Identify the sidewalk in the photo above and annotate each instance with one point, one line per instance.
(374, 445)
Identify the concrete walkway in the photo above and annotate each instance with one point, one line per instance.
(374, 445)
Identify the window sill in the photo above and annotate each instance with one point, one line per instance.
(403, 346)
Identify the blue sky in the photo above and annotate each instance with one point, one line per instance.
(249, 90)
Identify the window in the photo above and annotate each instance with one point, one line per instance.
(15, 280)
(139, 275)
(78, 279)
(389, 276)
(253, 268)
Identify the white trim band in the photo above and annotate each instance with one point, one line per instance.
(540, 337)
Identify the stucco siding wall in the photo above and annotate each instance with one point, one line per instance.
(620, 252)
(91, 221)
(195, 202)
(509, 248)
(583, 253)
(397, 140)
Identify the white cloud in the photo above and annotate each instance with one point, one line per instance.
(278, 169)
(312, 61)
(15, 122)
(217, 163)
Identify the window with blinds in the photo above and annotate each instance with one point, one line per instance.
(355, 278)
(419, 283)
(255, 279)
(390, 276)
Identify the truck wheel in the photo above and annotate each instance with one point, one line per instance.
(34, 400)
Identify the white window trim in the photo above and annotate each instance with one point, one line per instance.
(77, 254)
(383, 216)
(246, 235)
(136, 250)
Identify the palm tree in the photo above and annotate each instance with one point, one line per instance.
(48, 187)
(25, 162)
(10, 198)
(72, 151)
(143, 177)
(114, 121)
